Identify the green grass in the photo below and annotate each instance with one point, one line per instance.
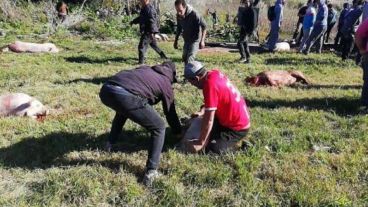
(61, 161)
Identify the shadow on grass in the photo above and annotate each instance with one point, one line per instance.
(96, 80)
(50, 150)
(316, 86)
(301, 61)
(85, 59)
(340, 106)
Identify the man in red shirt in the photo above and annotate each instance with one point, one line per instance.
(226, 118)
(361, 41)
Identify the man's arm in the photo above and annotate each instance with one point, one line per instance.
(178, 32)
(172, 117)
(203, 26)
(152, 20)
(361, 37)
(135, 21)
(206, 127)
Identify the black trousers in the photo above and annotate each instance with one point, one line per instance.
(243, 43)
(347, 45)
(298, 29)
(223, 139)
(338, 41)
(148, 39)
(328, 32)
(137, 109)
(364, 97)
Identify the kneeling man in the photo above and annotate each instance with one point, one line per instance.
(131, 93)
(226, 119)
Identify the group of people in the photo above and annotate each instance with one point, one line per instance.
(190, 25)
(132, 93)
(317, 19)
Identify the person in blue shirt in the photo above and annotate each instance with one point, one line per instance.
(275, 25)
(331, 21)
(308, 22)
(319, 28)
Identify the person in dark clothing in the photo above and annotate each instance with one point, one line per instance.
(131, 94)
(193, 27)
(350, 25)
(247, 22)
(299, 25)
(331, 21)
(343, 14)
(147, 21)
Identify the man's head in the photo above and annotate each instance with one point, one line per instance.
(180, 6)
(329, 6)
(346, 5)
(144, 2)
(247, 3)
(195, 73)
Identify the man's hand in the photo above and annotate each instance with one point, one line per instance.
(193, 146)
(176, 44)
(362, 52)
(201, 45)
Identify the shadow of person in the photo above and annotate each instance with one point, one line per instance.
(296, 61)
(96, 60)
(343, 106)
(318, 86)
(94, 80)
(50, 150)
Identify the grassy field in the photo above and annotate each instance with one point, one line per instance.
(61, 161)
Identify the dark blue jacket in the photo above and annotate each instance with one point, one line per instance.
(147, 20)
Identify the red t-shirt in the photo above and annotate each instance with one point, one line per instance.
(221, 95)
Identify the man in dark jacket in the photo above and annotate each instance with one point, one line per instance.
(131, 93)
(299, 25)
(147, 21)
(343, 13)
(193, 27)
(247, 22)
(350, 25)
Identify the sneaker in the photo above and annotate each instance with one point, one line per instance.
(242, 60)
(149, 177)
(247, 61)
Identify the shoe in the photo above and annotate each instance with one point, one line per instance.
(247, 61)
(150, 176)
(108, 147)
(242, 60)
(363, 110)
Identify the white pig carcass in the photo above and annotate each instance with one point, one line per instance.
(19, 47)
(20, 104)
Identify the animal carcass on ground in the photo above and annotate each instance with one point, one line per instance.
(161, 37)
(20, 104)
(277, 78)
(19, 47)
(282, 47)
